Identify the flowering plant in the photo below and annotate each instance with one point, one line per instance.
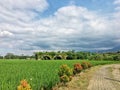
(77, 68)
(84, 65)
(24, 85)
(89, 64)
(65, 73)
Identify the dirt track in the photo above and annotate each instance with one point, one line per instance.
(106, 78)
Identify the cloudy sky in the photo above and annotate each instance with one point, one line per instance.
(32, 25)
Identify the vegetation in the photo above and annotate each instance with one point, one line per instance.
(65, 73)
(77, 68)
(84, 65)
(40, 74)
(72, 55)
(24, 85)
(66, 55)
(13, 56)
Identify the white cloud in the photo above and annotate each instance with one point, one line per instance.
(81, 21)
(70, 27)
(5, 34)
(21, 10)
(116, 16)
(38, 5)
(117, 2)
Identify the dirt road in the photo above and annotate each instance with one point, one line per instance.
(106, 78)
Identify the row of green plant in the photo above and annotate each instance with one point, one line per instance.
(66, 73)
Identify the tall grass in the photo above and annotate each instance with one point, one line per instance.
(38, 73)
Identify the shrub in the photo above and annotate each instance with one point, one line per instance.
(24, 85)
(108, 58)
(116, 57)
(64, 79)
(65, 70)
(77, 68)
(84, 65)
(89, 64)
(69, 57)
(65, 74)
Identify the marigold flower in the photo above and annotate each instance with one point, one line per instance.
(24, 85)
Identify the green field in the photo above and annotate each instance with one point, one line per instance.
(38, 73)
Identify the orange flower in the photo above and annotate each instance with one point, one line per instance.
(77, 68)
(24, 83)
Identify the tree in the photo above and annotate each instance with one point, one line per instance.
(9, 56)
(116, 57)
(36, 56)
(1, 57)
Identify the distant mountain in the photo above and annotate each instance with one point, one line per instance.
(117, 48)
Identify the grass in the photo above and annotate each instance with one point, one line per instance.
(38, 73)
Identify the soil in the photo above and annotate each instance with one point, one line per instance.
(106, 78)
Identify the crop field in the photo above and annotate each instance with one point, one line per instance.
(39, 74)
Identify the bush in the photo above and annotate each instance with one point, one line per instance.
(77, 68)
(65, 74)
(108, 58)
(84, 65)
(24, 85)
(89, 64)
(116, 58)
(69, 57)
(64, 79)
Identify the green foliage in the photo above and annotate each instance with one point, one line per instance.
(66, 55)
(96, 57)
(116, 57)
(69, 57)
(65, 70)
(9, 56)
(36, 56)
(64, 79)
(65, 73)
(84, 65)
(79, 56)
(108, 58)
(1, 57)
(89, 64)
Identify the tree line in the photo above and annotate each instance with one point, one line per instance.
(13, 56)
(66, 55)
(72, 55)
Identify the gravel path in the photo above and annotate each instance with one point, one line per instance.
(106, 78)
